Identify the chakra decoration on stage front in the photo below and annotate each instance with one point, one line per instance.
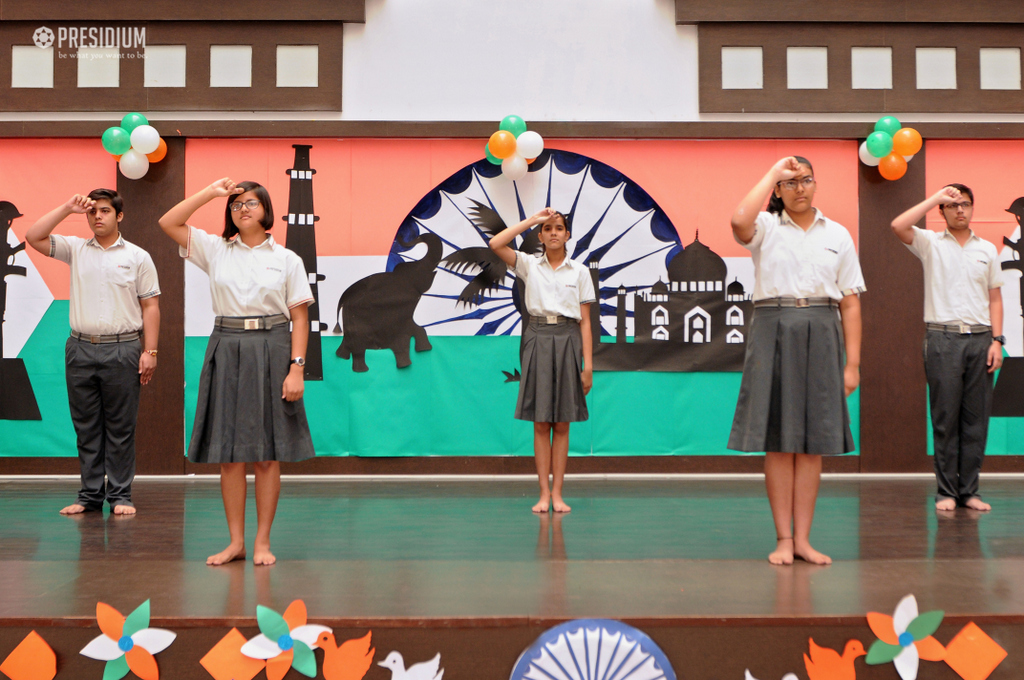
(593, 649)
(32, 659)
(827, 664)
(905, 637)
(127, 643)
(660, 307)
(424, 670)
(285, 641)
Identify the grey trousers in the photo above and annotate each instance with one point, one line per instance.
(103, 393)
(960, 392)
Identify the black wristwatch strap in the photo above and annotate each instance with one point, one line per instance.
(1001, 339)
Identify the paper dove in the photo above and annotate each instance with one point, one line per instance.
(787, 676)
(426, 670)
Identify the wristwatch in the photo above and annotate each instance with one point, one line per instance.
(299, 361)
(1001, 339)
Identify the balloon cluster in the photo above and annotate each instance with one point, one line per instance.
(134, 145)
(513, 147)
(890, 147)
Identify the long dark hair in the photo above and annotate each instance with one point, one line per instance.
(775, 205)
(261, 193)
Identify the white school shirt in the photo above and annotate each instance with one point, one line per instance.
(262, 281)
(106, 284)
(554, 292)
(791, 262)
(957, 280)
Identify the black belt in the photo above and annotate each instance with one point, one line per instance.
(961, 328)
(106, 339)
(250, 323)
(552, 319)
(797, 302)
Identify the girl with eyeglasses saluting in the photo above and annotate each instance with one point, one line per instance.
(250, 406)
(803, 359)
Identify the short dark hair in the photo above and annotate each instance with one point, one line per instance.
(116, 202)
(775, 204)
(963, 189)
(261, 193)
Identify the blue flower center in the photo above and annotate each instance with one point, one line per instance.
(906, 639)
(285, 642)
(125, 644)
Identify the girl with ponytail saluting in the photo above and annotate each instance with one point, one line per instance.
(803, 359)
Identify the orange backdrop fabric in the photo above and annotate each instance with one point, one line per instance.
(364, 188)
(38, 175)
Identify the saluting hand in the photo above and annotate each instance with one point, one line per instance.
(543, 215)
(947, 195)
(786, 168)
(225, 187)
(79, 204)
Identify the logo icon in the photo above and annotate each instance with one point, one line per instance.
(43, 37)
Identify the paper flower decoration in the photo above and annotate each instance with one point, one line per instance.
(905, 638)
(127, 643)
(285, 641)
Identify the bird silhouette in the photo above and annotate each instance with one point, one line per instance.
(787, 676)
(425, 670)
(350, 661)
(826, 664)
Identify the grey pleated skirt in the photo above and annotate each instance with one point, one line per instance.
(551, 386)
(240, 415)
(792, 397)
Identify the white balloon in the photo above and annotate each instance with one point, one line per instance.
(514, 167)
(865, 157)
(145, 139)
(907, 158)
(133, 164)
(529, 144)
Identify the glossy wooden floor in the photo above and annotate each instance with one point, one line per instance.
(454, 549)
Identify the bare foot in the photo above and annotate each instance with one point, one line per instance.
(229, 554)
(559, 505)
(946, 504)
(808, 554)
(976, 503)
(261, 555)
(542, 506)
(73, 509)
(783, 552)
(124, 510)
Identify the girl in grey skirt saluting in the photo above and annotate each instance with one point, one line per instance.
(796, 375)
(250, 390)
(556, 351)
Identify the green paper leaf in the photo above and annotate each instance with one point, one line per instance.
(882, 652)
(303, 659)
(137, 620)
(116, 669)
(271, 623)
(925, 624)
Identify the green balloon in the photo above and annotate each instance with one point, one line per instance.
(888, 125)
(490, 156)
(116, 140)
(513, 124)
(879, 144)
(132, 121)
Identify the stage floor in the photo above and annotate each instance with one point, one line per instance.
(443, 549)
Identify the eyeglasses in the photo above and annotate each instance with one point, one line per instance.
(791, 184)
(251, 204)
(958, 206)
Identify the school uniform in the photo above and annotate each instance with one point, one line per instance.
(551, 386)
(240, 415)
(957, 281)
(102, 360)
(792, 395)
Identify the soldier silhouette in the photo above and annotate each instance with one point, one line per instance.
(1008, 396)
(17, 402)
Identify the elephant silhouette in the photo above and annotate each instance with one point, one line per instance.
(376, 312)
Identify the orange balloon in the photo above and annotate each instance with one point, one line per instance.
(892, 166)
(159, 154)
(530, 160)
(907, 141)
(116, 157)
(502, 144)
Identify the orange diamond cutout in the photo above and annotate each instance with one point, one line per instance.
(973, 654)
(226, 661)
(31, 660)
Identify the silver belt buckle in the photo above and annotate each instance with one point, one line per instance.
(965, 329)
(552, 319)
(802, 302)
(252, 324)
